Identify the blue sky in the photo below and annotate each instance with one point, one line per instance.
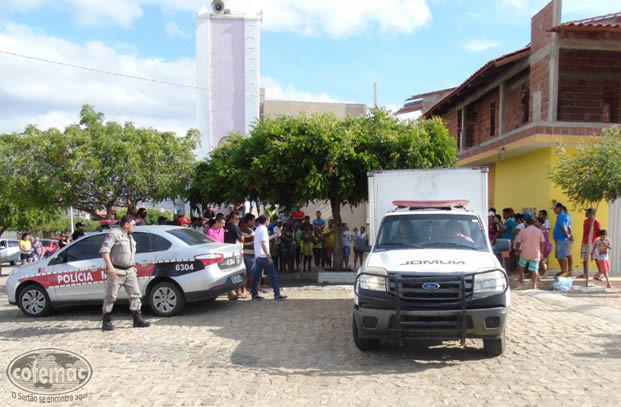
(311, 50)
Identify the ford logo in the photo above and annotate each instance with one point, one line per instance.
(431, 286)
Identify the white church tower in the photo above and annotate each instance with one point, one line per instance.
(227, 70)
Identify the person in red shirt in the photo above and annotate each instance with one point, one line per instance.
(586, 230)
(182, 221)
(297, 216)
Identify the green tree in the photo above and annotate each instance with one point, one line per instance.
(593, 173)
(301, 159)
(16, 211)
(96, 165)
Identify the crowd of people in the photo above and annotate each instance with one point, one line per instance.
(531, 242)
(31, 248)
(294, 243)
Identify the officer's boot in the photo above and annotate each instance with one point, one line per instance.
(107, 322)
(139, 321)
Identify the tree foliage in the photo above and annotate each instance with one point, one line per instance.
(16, 211)
(593, 173)
(320, 157)
(98, 165)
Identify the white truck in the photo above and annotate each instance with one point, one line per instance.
(431, 273)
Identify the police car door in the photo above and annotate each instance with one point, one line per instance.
(79, 271)
(149, 248)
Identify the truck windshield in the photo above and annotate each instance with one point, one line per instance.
(432, 231)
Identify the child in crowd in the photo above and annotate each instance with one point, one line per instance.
(600, 253)
(347, 238)
(307, 246)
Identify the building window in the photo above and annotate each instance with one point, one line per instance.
(492, 119)
(469, 139)
(525, 102)
(459, 129)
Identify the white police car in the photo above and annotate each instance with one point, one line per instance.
(175, 265)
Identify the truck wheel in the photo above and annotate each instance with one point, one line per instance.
(495, 346)
(166, 299)
(363, 344)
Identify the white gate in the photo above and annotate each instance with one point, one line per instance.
(614, 234)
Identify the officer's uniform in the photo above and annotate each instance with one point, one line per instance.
(122, 249)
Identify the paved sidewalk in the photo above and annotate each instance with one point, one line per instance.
(300, 352)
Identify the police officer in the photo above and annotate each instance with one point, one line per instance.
(119, 252)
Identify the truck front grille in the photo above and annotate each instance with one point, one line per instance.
(431, 289)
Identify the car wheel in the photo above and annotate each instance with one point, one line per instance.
(363, 344)
(166, 299)
(34, 301)
(12, 263)
(495, 346)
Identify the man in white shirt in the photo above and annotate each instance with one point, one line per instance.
(264, 260)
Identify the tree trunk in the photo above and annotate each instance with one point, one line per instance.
(109, 213)
(337, 259)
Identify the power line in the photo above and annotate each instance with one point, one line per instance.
(85, 68)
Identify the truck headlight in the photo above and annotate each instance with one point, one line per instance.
(488, 284)
(373, 282)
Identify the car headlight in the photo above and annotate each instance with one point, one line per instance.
(373, 282)
(488, 284)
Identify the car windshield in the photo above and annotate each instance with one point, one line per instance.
(190, 237)
(432, 231)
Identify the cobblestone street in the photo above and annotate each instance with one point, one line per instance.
(300, 352)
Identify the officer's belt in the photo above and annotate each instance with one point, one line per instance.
(121, 267)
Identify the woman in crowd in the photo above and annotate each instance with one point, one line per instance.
(38, 249)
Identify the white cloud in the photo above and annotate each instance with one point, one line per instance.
(520, 4)
(480, 45)
(572, 9)
(20, 4)
(98, 12)
(336, 18)
(275, 91)
(173, 31)
(50, 95)
(343, 17)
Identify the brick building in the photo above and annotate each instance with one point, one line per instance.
(510, 114)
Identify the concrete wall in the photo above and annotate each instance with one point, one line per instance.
(274, 108)
(516, 101)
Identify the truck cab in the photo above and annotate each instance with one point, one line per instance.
(431, 275)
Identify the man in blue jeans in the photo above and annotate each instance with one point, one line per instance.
(561, 236)
(264, 260)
